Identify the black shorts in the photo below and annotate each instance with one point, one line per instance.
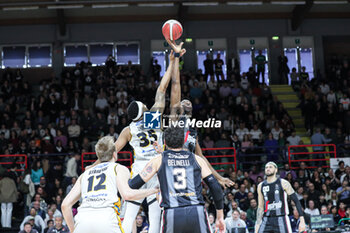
(279, 224)
(188, 219)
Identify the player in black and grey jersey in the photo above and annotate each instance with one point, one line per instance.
(180, 173)
(272, 214)
(182, 111)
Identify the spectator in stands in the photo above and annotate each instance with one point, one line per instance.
(50, 224)
(59, 227)
(345, 176)
(37, 172)
(235, 222)
(27, 228)
(293, 139)
(286, 171)
(241, 197)
(39, 223)
(260, 65)
(8, 196)
(219, 65)
(251, 212)
(208, 67)
(271, 145)
(294, 221)
(341, 170)
(211, 218)
(140, 226)
(71, 169)
(249, 223)
(311, 209)
(74, 130)
(241, 131)
(283, 68)
(343, 192)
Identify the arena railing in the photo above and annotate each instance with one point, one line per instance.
(228, 156)
(210, 156)
(120, 158)
(25, 162)
(327, 151)
(255, 155)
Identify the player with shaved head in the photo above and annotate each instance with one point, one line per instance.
(272, 214)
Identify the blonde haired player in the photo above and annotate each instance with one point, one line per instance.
(98, 187)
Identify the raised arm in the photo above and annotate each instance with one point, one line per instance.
(147, 173)
(126, 192)
(224, 182)
(287, 187)
(175, 96)
(72, 197)
(260, 211)
(159, 101)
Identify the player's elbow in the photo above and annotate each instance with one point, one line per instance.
(130, 195)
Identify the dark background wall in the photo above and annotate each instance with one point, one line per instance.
(144, 32)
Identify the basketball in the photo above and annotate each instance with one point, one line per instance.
(172, 29)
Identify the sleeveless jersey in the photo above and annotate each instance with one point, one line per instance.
(180, 179)
(275, 199)
(99, 187)
(142, 141)
(190, 136)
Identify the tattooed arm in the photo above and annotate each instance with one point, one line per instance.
(151, 168)
(159, 101)
(260, 211)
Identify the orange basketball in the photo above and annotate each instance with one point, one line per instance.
(172, 29)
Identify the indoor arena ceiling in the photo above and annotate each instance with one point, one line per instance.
(22, 12)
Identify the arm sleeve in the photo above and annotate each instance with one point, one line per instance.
(297, 204)
(136, 182)
(215, 190)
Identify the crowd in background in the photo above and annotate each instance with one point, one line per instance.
(56, 121)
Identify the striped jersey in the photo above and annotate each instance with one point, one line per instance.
(180, 179)
(275, 199)
(190, 135)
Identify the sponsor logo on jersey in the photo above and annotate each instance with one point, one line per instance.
(274, 205)
(182, 194)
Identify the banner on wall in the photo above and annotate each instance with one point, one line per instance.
(335, 162)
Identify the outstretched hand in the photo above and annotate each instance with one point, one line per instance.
(177, 47)
(226, 182)
(157, 147)
(220, 226)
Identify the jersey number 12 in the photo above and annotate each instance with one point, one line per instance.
(100, 185)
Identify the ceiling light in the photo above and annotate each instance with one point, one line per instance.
(65, 7)
(288, 3)
(244, 3)
(23, 8)
(155, 4)
(200, 3)
(330, 2)
(109, 5)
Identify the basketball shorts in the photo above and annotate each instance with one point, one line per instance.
(97, 220)
(137, 167)
(278, 224)
(188, 219)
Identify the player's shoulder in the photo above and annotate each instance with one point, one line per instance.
(120, 168)
(284, 182)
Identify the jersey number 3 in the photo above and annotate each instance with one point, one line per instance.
(180, 178)
(145, 137)
(100, 185)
